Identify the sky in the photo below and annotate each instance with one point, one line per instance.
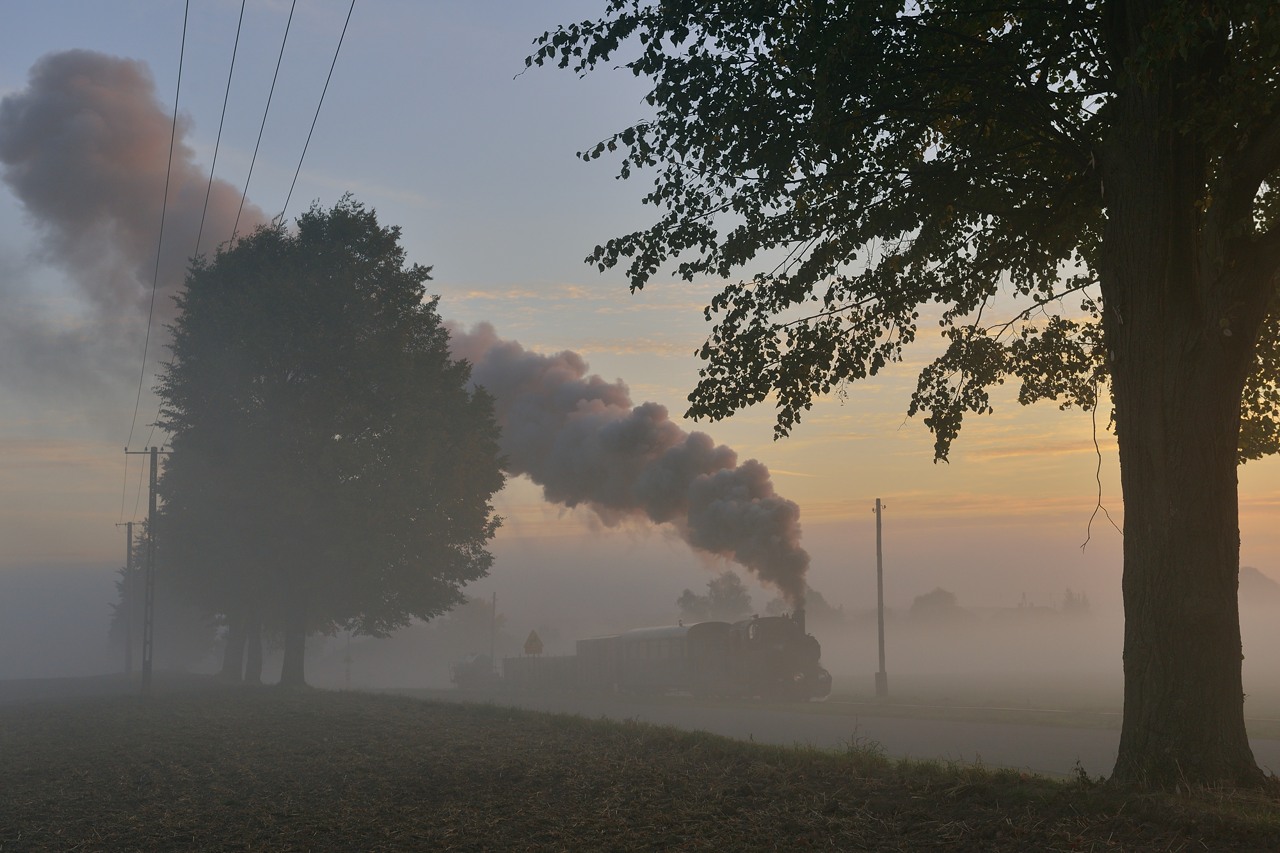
(431, 119)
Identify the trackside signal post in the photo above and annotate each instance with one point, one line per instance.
(882, 678)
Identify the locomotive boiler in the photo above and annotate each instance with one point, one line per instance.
(765, 656)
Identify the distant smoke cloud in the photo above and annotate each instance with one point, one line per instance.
(85, 148)
(584, 441)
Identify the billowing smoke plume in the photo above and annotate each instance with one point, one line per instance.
(85, 149)
(582, 439)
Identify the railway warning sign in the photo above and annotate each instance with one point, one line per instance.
(533, 645)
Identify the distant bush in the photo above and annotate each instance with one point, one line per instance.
(1075, 603)
(937, 605)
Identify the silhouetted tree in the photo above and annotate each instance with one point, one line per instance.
(1256, 588)
(940, 604)
(330, 466)
(1076, 603)
(693, 607)
(993, 159)
(726, 600)
(939, 599)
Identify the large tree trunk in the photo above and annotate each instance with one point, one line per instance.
(295, 641)
(233, 655)
(1180, 334)
(1177, 419)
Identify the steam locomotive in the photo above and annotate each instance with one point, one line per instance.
(765, 656)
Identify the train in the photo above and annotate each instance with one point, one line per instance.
(769, 657)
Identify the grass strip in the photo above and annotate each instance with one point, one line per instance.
(271, 769)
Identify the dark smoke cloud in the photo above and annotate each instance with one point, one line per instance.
(584, 441)
(85, 147)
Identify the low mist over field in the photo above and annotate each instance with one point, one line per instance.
(54, 622)
(443, 358)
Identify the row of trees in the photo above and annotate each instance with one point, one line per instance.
(727, 600)
(330, 467)
(941, 605)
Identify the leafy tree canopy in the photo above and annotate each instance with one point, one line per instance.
(877, 160)
(727, 600)
(329, 466)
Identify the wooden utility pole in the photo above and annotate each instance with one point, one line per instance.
(882, 678)
(149, 597)
(128, 608)
(149, 571)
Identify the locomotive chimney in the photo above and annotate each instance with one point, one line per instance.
(798, 618)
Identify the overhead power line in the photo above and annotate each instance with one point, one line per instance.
(225, 97)
(200, 232)
(213, 168)
(263, 126)
(164, 209)
(316, 117)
